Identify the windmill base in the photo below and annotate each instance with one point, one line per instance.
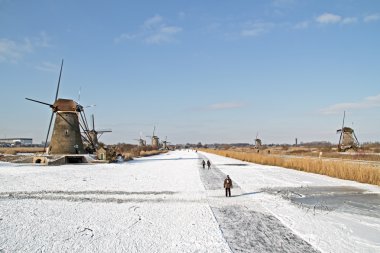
(60, 159)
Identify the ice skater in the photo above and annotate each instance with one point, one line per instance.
(203, 164)
(228, 186)
(208, 164)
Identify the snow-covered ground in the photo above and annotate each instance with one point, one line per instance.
(167, 203)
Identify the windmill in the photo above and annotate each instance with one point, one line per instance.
(155, 139)
(165, 144)
(70, 118)
(142, 142)
(347, 139)
(257, 142)
(94, 136)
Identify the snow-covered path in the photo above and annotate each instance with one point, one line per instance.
(337, 229)
(167, 203)
(247, 227)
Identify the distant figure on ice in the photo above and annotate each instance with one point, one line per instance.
(208, 164)
(203, 164)
(228, 186)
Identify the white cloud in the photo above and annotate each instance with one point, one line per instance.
(256, 29)
(367, 103)
(371, 18)
(153, 31)
(328, 18)
(224, 106)
(12, 51)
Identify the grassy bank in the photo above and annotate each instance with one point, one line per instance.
(364, 173)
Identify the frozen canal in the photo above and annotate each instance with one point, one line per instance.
(168, 203)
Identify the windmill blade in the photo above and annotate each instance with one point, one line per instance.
(47, 136)
(104, 131)
(59, 81)
(344, 116)
(79, 94)
(93, 122)
(40, 102)
(342, 131)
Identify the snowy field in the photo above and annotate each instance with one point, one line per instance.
(168, 203)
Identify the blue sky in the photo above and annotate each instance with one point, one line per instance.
(209, 71)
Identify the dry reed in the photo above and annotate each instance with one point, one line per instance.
(343, 169)
(15, 150)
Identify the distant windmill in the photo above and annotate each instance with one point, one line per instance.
(155, 139)
(257, 142)
(142, 142)
(347, 139)
(94, 135)
(70, 118)
(165, 143)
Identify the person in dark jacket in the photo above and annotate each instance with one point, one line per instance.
(208, 164)
(203, 164)
(228, 186)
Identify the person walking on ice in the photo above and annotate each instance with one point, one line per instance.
(203, 164)
(208, 164)
(228, 186)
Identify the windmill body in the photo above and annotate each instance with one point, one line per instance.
(92, 137)
(155, 139)
(347, 139)
(155, 142)
(257, 143)
(142, 142)
(165, 143)
(66, 138)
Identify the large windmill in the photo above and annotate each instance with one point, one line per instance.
(347, 139)
(155, 139)
(69, 120)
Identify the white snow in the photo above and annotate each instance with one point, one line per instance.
(159, 204)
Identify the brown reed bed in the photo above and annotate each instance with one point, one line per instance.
(15, 150)
(343, 169)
